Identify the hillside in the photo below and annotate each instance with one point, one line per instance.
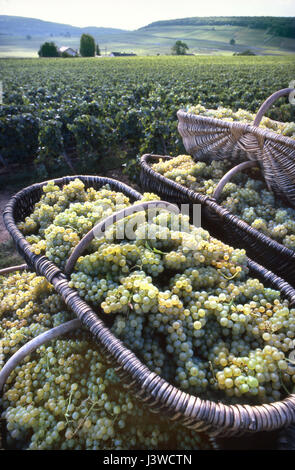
(20, 26)
(22, 37)
(279, 26)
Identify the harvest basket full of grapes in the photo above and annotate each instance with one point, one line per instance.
(237, 206)
(188, 321)
(218, 134)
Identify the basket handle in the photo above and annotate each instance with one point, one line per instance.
(268, 102)
(227, 177)
(99, 229)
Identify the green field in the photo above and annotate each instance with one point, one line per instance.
(159, 40)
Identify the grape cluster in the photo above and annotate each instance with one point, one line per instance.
(245, 196)
(227, 114)
(195, 175)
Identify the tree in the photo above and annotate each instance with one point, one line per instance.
(97, 50)
(48, 49)
(87, 46)
(232, 42)
(179, 48)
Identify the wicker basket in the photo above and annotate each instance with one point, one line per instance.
(201, 415)
(204, 137)
(221, 222)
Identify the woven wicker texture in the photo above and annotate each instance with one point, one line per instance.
(205, 138)
(221, 222)
(201, 415)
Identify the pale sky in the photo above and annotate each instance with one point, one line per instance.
(132, 14)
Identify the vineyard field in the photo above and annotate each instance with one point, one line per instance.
(65, 115)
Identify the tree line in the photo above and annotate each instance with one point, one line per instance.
(88, 48)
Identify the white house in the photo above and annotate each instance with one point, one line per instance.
(68, 50)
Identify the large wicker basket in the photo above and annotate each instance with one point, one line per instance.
(221, 222)
(201, 415)
(204, 137)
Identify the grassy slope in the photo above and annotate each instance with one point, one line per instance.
(153, 40)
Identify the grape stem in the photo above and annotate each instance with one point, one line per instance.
(84, 419)
(67, 410)
(35, 343)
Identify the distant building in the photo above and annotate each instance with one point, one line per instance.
(122, 54)
(67, 50)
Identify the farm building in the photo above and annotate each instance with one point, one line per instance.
(122, 54)
(67, 50)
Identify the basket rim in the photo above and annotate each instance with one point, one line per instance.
(247, 128)
(204, 415)
(213, 204)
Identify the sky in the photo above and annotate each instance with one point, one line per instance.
(133, 14)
